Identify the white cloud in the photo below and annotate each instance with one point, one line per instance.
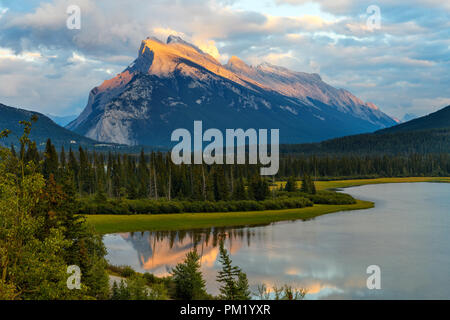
(47, 66)
(3, 11)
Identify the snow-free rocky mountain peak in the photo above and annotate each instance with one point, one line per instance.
(172, 84)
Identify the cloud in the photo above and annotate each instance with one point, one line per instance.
(352, 7)
(3, 11)
(402, 65)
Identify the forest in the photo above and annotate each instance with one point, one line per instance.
(153, 175)
(383, 142)
(45, 195)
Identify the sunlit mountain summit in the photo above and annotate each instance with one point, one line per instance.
(172, 84)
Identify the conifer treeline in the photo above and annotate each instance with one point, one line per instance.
(149, 176)
(154, 175)
(333, 166)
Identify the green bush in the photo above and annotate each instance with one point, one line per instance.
(123, 271)
(148, 206)
(321, 197)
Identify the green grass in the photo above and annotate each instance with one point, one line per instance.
(327, 185)
(181, 221)
(165, 222)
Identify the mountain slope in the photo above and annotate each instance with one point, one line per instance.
(43, 129)
(172, 84)
(62, 120)
(428, 134)
(436, 120)
(308, 88)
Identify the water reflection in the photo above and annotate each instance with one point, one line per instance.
(158, 252)
(406, 234)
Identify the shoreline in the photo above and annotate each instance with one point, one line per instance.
(105, 224)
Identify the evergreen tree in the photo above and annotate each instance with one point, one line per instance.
(305, 184)
(143, 176)
(239, 192)
(258, 188)
(73, 167)
(115, 294)
(62, 158)
(51, 162)
(84, 172)
(234, 283)
(188, 279)
(243, 289)
(13, 151)
(220, 184)
(291, 185)
(34, 242)
(308, 185)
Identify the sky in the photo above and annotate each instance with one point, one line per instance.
(402, 65)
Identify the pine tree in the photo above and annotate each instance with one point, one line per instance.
(308, 185)
(13, 151)
(143, 176)
(291, 185)
(305, 184)
(220, 184)
(234, 282)
(239, 192)
(74, 167)
(188, 279)
(62, 158)
(312, 186)
(115, 295)
(51, 162)
(243, 290)
(258, 188)
(84, 173)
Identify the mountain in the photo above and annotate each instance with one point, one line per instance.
(436, 120)
(408, 116)
(172, 84)
(428, 134)
(43, 129)
(62, 120)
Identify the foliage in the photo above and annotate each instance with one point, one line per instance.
(291, 184)
(233, 282)
(308, 185)
(321, 197)
(147, 206)
(188, 279)
(285, 292)
(39, 234)
(380, 143)
(122, 271)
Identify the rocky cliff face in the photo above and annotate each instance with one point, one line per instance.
(172, 84)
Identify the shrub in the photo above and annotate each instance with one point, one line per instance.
(148, 206)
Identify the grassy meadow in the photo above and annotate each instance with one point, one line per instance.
(335, 184)
(182, 221)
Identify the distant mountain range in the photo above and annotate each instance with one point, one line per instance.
(62, 120)
(172, 84)
(428, 134)
(408, 116)
(436, 120)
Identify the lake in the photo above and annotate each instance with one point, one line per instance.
(407, 235)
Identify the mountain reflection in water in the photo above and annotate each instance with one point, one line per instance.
(406, 234)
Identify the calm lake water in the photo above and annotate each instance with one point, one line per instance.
(407, 235)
